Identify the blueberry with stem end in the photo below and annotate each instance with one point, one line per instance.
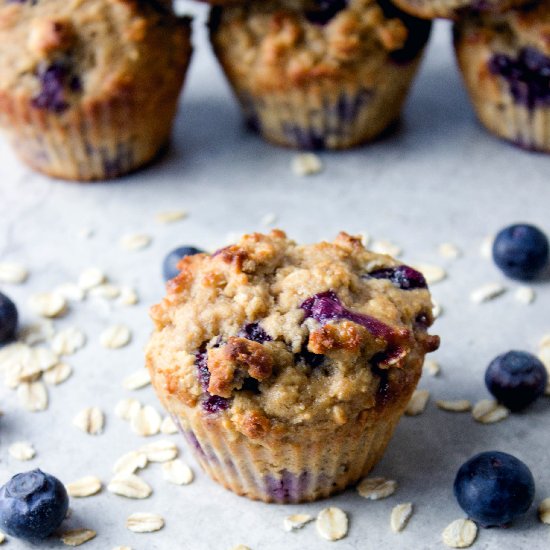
(32, 505)
(8, 319)
(171, 261)
(494, 488)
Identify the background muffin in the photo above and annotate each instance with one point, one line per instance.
(266, 350)
(318, 74)
(89, 90)
(505, 62)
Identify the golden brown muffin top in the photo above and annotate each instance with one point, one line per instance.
(61, 51)
(271, 333)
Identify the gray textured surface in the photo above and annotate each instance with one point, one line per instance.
(439, 178)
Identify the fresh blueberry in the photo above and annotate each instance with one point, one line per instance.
(403, 277)
(8, 319)
(170, 263)
(32, 505)
(254, 332)
(494, 488)
(521, 251)
(516, 379)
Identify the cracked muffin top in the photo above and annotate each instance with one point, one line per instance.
(270, 334)
(280, 41)
(61, 51)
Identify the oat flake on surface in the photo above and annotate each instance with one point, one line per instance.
(168, 427)
(47, 304)
(84, 487)
(241, 547)
(432, 273)
(76, 537)
(36, 333)
(524, 295)
(449, 251)
(137, 380)
(417, 404)
(130, 463)
(268, 219)
(437, 309)
(486, 247)
(296, 521)
(135, 241)
(544, 511)
(21, 450)
(461, 533)
(57, 374)
(2, 538)
(376, 488)
(332, 523)
(106, 291)
(160, 451)
(457, 405)
(400, 516)
(90, 420)
(90, 278)
(146, 421)
(487, 292)
(144, 522)
(386, 247)
(176, 471)
(306, 164)
(68, 341)
(488, 411)
(170, 216)
(127, 408)
(129, 486)
(115, 337)
(71, 292)
(431, 367)
(33, 396)
(13, 273)
(128, 296)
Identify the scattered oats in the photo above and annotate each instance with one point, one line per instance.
(296, 521)
(12, 353)
(486, 247)
(241, 547)
(487, 292)
(544, 354)
(57, 374)
(135, 241)
(431, 367)
(89, 420)
(400, 516)
(306, 164)
(376, 488)
(459, 405)
(177, 472)
(545, 341)
(544, 511)
(332, 523)
(129, 486)
(144, 523)
(160, 451)
(432, 273)
(146, 421)
(128, 296)
(45, 358)
(449, 251)
(77, 537)
(90, 278)
(36, 333)
(68, 341)
(418, 402)
(461, 533)
(524, 295)
(386, 247)
(488, 411)
(168, 427)
(122, 548)
(130, 462)
(22, 450)
(2, 537)
(33, 396)
(137, 380)
(437, 309)
(84, 487)
(127, 408)
(13, 273)
(85, 233)
(171, 216)
(70, 291)
(116, 336)
(47, 304)
(269, 219)
(105, 290)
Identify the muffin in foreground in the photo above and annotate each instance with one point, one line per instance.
(89, 90)
(505, 63)
(312, 74)
(265, 351)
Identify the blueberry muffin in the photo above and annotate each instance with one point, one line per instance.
(314, 74)
(266, 350)
(89, 90)
(505, 63)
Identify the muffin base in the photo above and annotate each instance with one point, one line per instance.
(452, 9)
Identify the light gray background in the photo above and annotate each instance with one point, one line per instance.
(439, 178)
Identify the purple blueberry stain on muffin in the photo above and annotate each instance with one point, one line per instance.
(348, 107)
(254, 332)
(56, 82)
(304, 138)
(288, 487)
(528, 76)
(402, 277)
(210, 403)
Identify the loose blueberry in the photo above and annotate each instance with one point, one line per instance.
(403, 277)
(254, 332)
(516, 379)
(32, 505)
(521, 251)
(8, 319)
(494, 488)
(170, 263)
